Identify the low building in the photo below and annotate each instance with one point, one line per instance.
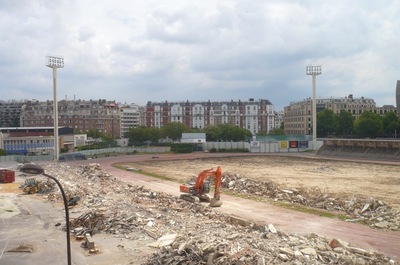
(193, 138)
(30, 140)
(71, 141)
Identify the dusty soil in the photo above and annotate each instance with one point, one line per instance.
(362, 178)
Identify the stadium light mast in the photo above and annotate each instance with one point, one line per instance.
(314, 70)
(55, 62)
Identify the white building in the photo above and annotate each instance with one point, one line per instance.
(193, 138)
(130, 118)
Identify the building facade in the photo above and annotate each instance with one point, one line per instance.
(130, 116)
(255, 116)
(30, 140)
(9, 112)
(298, 115)
(81, 115)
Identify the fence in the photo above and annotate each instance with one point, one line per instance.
(225, 145)
(26, 158)
(265, 146)
(127, 150)
(89, 153)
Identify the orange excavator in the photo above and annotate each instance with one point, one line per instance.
(196, 192)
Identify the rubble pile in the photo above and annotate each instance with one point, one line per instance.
(227, 244)
(90, 222)
(190, 233)
(370, 211)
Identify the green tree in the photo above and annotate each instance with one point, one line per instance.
(262, 133)
(153, 134)
(226, 132)
(3, 152)
(326, 123)
(107, 141)
(345, 123)
(95, 134)
(142, 135)
(235, 133)
(213, 133)
(368, 124)
(194, 130)
(277, 131)
(173, 130)
(391, 124)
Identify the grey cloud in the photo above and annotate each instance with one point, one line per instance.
(199, 50)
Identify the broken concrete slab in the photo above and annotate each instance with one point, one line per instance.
(163, 241)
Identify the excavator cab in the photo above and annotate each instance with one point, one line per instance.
(197, 191)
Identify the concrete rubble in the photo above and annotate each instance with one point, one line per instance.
(370, 211)
(192, 233)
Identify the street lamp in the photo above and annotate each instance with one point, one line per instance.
(55, 62)
(36, 169)
(314, 70)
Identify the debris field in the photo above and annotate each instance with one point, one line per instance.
(180, 232)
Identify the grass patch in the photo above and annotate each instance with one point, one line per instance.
(156, 176)
(309, 210)
(145, 173)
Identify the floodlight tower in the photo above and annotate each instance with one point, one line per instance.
(55, 62)
(314, 70)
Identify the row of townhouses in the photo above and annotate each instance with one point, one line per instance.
(255, 116)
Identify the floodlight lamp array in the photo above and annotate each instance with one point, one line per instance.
(54, 62)
(313, 69)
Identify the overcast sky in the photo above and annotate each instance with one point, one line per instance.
(137, 51)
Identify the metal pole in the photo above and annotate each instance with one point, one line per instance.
(55, 112)
(66, 217)
(314, 70)
(55, 62)
(314, 112)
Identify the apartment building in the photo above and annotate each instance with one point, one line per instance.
(81, 115)
(130, 116)
(10, 111)
(255, 116)
(298, 115)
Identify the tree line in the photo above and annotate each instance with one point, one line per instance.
(368, 124)
(173, 131)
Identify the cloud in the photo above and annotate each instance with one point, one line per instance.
(135, 51)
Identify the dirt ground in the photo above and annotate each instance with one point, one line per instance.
(362, 179)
